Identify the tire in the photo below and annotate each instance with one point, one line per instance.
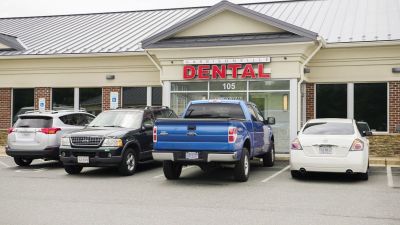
(295, 174)
(129, 163)
(172, 171)
(73, 169)
(269, 158)
(363, 176)
(22, 161)
(242, 168)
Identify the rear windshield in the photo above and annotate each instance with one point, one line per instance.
(325, 128)
(34, 122)
(215, 110)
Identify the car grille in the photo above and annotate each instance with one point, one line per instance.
(86, 141)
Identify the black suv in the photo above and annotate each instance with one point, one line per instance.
(117, 138)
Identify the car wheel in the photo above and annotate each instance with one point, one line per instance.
(73, 169)
(242, 168)
(172, 171)
(22, 161)
(295, 174)
(269, 158)
(129, 162)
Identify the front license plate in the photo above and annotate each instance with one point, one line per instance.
(192, 155)
(83, 159)
(325, 149)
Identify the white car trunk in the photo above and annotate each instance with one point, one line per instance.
(27, 139)
(326, 145)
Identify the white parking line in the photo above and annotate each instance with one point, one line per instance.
(4, 164)
(275, 174)
(389, 176)
(183, 169)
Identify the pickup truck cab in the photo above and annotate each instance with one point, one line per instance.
(214, 132)
(116, 138)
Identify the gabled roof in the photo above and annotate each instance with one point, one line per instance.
(336, 21)
(12, 42)
(223, 6)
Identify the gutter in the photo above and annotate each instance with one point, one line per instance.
(156, 64)
(321, 42)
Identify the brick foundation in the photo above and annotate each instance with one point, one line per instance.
(5, 107)
(106, 96)
(43, 92)
(384, 145)
(394, 105)
(310, 90)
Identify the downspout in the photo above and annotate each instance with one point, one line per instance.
(156, 64)
(302, 66)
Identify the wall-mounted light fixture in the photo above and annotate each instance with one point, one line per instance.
(110, 77)
(396, 70)
(285, 102)
(307, 70)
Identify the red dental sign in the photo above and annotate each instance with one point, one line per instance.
(241, 71)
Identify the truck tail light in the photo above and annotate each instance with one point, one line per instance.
(51, 130)
(357, 145)
(232, 134)
(10, 130)
(296, 145)
(154, 134)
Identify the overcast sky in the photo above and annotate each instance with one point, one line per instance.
(18, 8)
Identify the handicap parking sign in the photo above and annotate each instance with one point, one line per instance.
(114, 100)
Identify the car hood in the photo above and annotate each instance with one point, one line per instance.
(102, 132)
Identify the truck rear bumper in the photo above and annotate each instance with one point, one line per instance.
(203, 157)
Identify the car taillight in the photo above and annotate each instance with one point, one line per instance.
(232, 134)
(51, 130)
(10, 130)
(296, 145)
(155, 134)
(357, 145)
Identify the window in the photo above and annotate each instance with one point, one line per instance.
(156, 95)
(34, 122)
(77, 119)
(215, 110)
(253, 114)
(90, 99)
(370, 105)
(148, 119)
(331, 100)
(134, 96)
(23, 101)
(165, 113)
(63, 98)
(328, 128)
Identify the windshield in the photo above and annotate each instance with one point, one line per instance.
(215, 110)
(128, 119)
(328, 128)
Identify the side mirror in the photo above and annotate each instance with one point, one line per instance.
(270, 121)
(147, 126)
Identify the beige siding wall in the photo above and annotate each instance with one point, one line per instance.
(78, 72)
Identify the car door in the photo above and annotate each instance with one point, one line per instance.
(267, 131)
(258, 128)
(146, 135)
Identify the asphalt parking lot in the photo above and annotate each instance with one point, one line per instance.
(45, 194)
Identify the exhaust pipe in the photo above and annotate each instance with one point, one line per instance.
(349, 171)
(302, 171)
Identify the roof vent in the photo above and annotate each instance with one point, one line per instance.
(12, 42)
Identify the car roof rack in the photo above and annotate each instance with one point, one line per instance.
(143, 107)
(54, 111)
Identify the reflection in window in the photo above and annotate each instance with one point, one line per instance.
(189, 86)
(179, 101)
(156, 96)
(370, 105)
(331, 100)
(90, 99)
(23, 101)
(134, 96)
(63, 98)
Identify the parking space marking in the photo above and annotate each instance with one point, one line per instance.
(4, 164)
(389, 176)
(275, 174)
(183, 169)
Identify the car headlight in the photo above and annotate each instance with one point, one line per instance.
(65, 141)
(112, 142)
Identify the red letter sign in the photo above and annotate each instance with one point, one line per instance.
(234, 68)
(215, 70)
(248, 71)
(189, 72)
(204, 70)
(261, 73)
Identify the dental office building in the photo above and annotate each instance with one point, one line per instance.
(296, 60)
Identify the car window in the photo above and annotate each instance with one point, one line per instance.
(34, 122)
(258, 114)
(328, 128)
(363, 127)
(215, 110)
(148, 119)
(252, 113)
(165, 113)
(83, 119)
(69, 119)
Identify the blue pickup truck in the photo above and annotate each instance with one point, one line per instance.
(214, 132)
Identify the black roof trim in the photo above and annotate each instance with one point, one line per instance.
(222, 6)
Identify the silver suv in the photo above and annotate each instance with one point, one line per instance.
(37, 135)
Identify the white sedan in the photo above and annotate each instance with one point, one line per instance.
(330, 145)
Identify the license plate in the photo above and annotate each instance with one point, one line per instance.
(192, 155)
(83, 159)
(325, 149)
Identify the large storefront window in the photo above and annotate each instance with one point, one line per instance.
(23, 101)
(370, 105)
(271, 97)
(63, 98)
(331, 100)
(90, 99)
(156, 96)
(133, 96)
